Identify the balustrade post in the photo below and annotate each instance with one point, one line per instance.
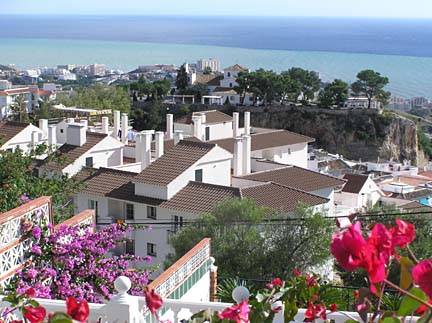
(213, 281)
(123, 308)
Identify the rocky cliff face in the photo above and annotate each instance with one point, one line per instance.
(356, 134)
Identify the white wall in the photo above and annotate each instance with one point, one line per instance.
(186, 128)
(218, 130)
(23, 139)
(289, 155)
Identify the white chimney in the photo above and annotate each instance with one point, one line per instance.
(52, 139)
(247, 147)
(145, 150)
(116, 124)
(85, 123)
(76, 134)
(70, 120)
(43, 125)
(197, 127)
(105, 125)
(34, 139)
(236, 124)
(247, 123)
(159, 138)
(203, 118)
(169, 126)
(178, 136)
(238, 154)
(124, 127)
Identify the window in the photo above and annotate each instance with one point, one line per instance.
(289, 151)
(151, 212)
(130, 247)
(207, 133)
(61, 130)
(93, 205)
(151, 249)
(198, 175)
(89, 162)
(178, 223)
(229, 74)
(130, 211)
(232, 98)
(230, 84)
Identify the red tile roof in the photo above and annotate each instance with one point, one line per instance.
(212, 116)
(296, 177)
(174, 162)
(10, 129)
(355, 183)
(266, 140)
(236, 67)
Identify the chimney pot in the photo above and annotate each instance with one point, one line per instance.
(178, 136)
(236, 124)
(124, 128)
(105, 125)
(247, 123)
(52, 139)
(116, 124)
(159, 138)
(169, 125)
(246, 154)
(238, 156)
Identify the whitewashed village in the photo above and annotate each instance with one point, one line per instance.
(167, 178)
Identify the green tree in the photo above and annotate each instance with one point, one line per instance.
(264, 85)
(288, 88)
(160, 88)
(244, 80)
(98, 96)
(334, 93)
(182, 80)
(371, 84)
(150, 118)
(207, 70)
(198, 89)
(19, 182)
(251, 248)
(19, 110)
(309, 80)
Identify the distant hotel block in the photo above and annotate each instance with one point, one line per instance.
(213, 63)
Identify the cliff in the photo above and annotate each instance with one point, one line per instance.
(356, 134)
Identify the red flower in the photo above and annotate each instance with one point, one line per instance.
(423, 309)
(422, 275)
(35, 314)
(78, 310)
(402, 234)
(315, 311)
(153, 300)
(356, 294)
(277, 282)
(348, 246)
(297, 272)
(311, 281)
(30, 292)
(237, 313)
(333, 307)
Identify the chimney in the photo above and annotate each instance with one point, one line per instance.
(85, 123)
(178, 136)
(169, 126)
(70, 120)
(197, 126)
(159, 138)
(43, 125)
(105, 125)
(145, 148)
(238, 154)
(246, 155)
(116, 124)
(34, 139)
(247, 123)
(124, 128)
(76, 134)
(236, 124)
(52, 139)
(203, 118)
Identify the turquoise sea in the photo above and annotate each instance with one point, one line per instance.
(335, 47)
(409, 76)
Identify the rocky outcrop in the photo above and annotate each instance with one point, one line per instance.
(356, 134)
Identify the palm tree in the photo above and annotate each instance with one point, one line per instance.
(19, 109)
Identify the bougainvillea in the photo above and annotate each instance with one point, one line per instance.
(73, 261)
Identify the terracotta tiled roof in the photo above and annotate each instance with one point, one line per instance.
(296, 177)
(354, 183)
(69, 153)
(267, 140)
(200, 197)
(215, 81)
(112, 183)
(9, 129)
(212, 116)
(335, 164)
(168, 144)
(280, 197)
(236, 67)
(174, 162)
(206, 78)
(18, 91)
(414, 205)
(225, 90)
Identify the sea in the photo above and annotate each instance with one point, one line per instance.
(400, 49)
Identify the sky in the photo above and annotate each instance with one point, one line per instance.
(329, 8)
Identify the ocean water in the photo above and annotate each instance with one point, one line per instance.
(335, 47)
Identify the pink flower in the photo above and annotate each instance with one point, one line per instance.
(311, 281)
(35, 314)
(277, 282)
(402, 234)
(36, 232)
(422, 275)
(30, 292)
(297, 272)
(348, 247)
(78, 310)
(153, 300)
(315, 311)
(333, 307)
(237, 313)
(36, 249)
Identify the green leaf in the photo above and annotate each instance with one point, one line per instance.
(391, 320)
(290, 311)
(408, 304)
(351, 321)
(405, 276)
(59, 317)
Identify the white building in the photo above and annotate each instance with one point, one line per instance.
(26, 137)
(97, 70)
(8, 98)
(213, 63)
(361, 103)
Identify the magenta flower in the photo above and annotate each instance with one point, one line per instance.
(36, 232)
(36, 249)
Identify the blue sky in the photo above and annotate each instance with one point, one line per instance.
(360, 8)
